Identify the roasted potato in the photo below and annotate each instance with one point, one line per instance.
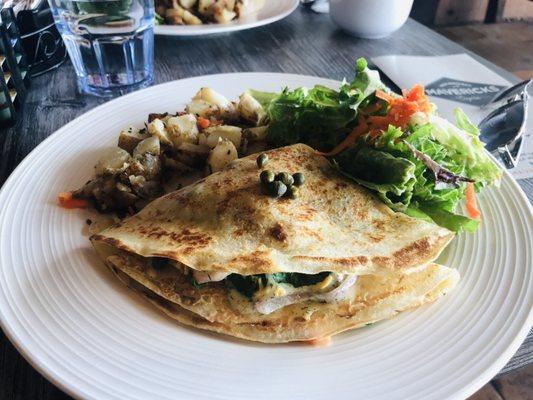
(157, 128)
(129, 138)
(232, 133)
(256, 134)
(213, 97)
(190, 19)
(223, 108)
(188, 4)
(174, 17)
(149, 145)
(205, 5)
(209, 141)
(250, 109)
(230, 5)
(190, 154)
(223, 153)
(182, 129)
(113, 162)
(222, 15)
(201, 108)
(147, 165)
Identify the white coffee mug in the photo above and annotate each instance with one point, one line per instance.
(370, 19)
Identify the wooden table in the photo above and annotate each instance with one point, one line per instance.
(304, 43)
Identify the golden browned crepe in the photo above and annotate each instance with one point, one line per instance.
(224, 223)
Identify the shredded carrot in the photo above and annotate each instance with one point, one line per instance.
(471, 201)
(418, 95)
(203, 123)
(401, 112)
(401, 109)
(320, 342)
(354, 135)
(66, 200)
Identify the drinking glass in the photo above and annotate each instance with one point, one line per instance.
(110, 43)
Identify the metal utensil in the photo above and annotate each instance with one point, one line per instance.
(502, 129)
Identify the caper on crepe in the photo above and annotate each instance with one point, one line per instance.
(221, 255)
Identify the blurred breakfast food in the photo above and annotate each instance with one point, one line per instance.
(199, 12)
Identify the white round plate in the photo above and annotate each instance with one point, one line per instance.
(96, 340)
(273, 11)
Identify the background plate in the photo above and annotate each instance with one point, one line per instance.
(93, 338)
(273, 11)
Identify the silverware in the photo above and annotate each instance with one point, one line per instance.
(503, 128)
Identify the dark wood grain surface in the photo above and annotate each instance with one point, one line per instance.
(304, 43)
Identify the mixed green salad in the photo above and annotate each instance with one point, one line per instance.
(396, 146)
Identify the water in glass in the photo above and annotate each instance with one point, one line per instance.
(110, 43)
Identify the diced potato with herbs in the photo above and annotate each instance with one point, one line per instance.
(174, 17)
(190, 19)
(256, 134)
(190, 154)
(250, 109)
(146, 164)
(201, 108)
(149, 145)
(188, 4)
(176, 165)
(209, 141)
(157, 128)
(182, 129)
(205, 5)
(230, 5)
(220, 106)
(129, 138)
(182, 15)
(222, 15)
(232, 133)
(113, 162)
(213, 97)
(223, 153)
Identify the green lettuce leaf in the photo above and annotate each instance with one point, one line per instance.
(465, 148)
(320, 116)
(392, 178)
(449, 220)
(402, 181)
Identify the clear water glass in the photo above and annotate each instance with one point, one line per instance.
(110, 43)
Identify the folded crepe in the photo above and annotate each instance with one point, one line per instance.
(223, 256)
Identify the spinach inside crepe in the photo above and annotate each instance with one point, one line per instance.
(221, 255)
